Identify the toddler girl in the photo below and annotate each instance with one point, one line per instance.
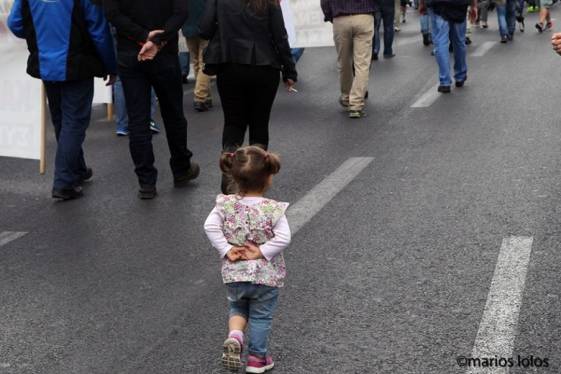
(250, 232)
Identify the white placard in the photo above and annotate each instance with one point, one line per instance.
(102, 94)
(308, 20)
(289, 22)
(20, 96)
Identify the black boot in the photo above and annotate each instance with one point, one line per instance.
(67, 193)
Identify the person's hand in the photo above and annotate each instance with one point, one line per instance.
(148, 52)
(289, 84)
(236, 254)
(252, 252)
(110, 79)
(556, 42)
(153, 33)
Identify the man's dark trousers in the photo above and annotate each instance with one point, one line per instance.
(70, 104)
(164, 75)
(385, 14)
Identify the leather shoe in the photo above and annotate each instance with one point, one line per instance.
(67, 193)
(192, 173)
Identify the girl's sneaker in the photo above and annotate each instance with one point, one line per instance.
(231, 358)
(259, 365)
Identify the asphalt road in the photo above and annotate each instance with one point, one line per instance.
(392, 275)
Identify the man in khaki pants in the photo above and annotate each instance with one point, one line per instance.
(353, 30)
(196, 46)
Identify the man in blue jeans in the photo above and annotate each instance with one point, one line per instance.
(66, 56)
(506, 14)
(448, 21)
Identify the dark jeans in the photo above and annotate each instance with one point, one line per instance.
(70, 104)
(247, 93)
(511, 16)
(386, 14)
(164, 75)
(185, 63)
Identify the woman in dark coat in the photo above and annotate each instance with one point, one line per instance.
(248, 51)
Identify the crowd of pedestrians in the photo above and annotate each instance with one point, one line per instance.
(244, 45)
(445, 24)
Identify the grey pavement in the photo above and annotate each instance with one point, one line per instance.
(391, 276)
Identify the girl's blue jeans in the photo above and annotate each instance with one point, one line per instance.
(256, 303)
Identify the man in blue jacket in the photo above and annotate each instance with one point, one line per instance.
(69, 44)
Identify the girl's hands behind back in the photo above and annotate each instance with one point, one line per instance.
(252, 252)
(236, 254)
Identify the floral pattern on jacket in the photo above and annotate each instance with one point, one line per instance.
(254, 223)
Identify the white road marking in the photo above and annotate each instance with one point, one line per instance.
(481, 50)
(9, 236)
(318, 197)
(428, 98)
(498, 326)
(408, 40)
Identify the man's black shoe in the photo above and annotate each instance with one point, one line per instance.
(460, 84)
(184, 79)
(426, 39)
(147, 192)
(201, 106)
(504, 39)
(468, 40)
(86, 177)
(67, 193)
(192, 173)
(374, 57)
(444, 89)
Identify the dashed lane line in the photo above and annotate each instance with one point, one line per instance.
(428, 98)
(9, 236)
(318, 197)
(499, 324)
(481, 50)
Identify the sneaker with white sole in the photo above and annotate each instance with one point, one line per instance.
(258, 365)
(154, 127)
(232, 356)
(122, 132)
